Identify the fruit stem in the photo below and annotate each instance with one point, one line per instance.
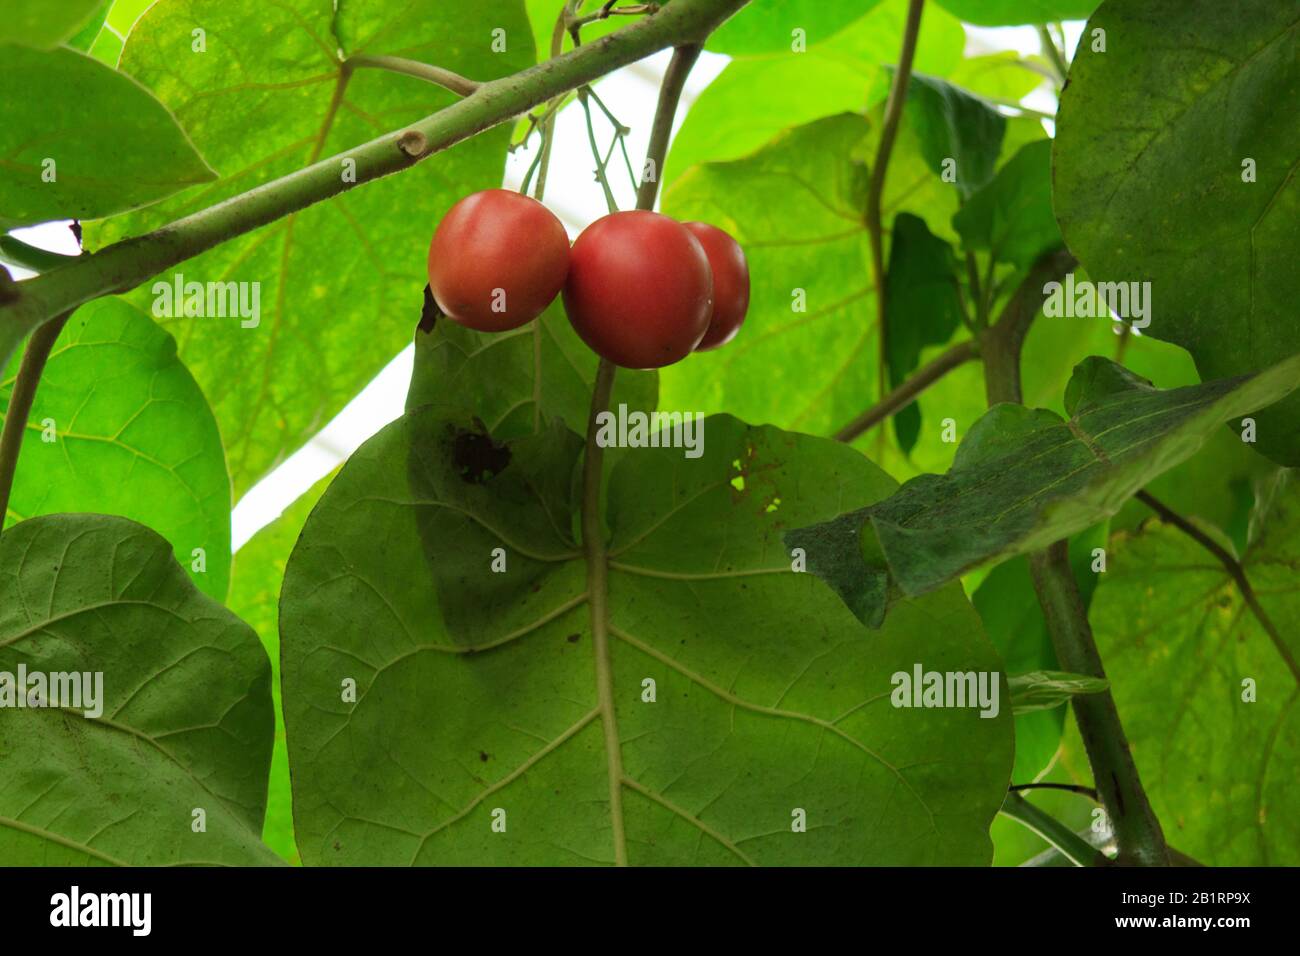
(20, 403)
(670, 91)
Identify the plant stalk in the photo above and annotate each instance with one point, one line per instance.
(679, 68)
(888, 133)
(20, 404)
(1137, 831)
(1140, 840)
(460, 85)
(915, 384)
(1074, 847)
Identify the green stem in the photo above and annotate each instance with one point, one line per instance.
(124, 265)
(448, 80)
(915, 384)
(1054, 55)
(1138, 835)
(601, 177)
(1088, 792)
(1137, 831)
(1002, 342)
(18, 253)
(20, 404)
(876, 188)
(679, 68)
(1075, 847)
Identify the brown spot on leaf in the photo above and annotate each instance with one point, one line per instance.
(477, 457)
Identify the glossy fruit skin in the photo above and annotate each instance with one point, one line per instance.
(730, 284)
(640, 290)
(497, 240)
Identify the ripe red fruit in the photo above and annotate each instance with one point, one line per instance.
(730, 284)
(640, 290)
(497, 260)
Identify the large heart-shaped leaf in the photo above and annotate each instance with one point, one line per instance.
(119, 426)
(267, 96)
(80, 140)
(756, 97)
(692, 702)
(1195, 191)
(1208, 698)
(254, 596)
(517, 382)
(185, 705)
(996, 13)
(772, 26)
(797, 209)
(1023, 478)
(40, 23)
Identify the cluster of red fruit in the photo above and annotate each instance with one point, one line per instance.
(641, 289)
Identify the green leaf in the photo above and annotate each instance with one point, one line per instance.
(186, 705)
(1023, 478)
(39, 23)
(922, 307)
(1162, 196)
(754, 714)
(332, 277)
(81, 141)
(118, 426)
(1044, 690)
(1011, 217)
(497, 373)
(1001, 76)
(757, 97)
(255, 596)
(1181, 651)
(768, 26)
(84, 39)
(796, 208)
(997, 13)
(955, 126)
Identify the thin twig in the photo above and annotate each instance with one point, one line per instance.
(610, 201)
(460, 85)
(915, 384)
(1075, 848)
(20, 403)
(670, 91)
(1054, 56)
(888, 133)
(1089, 792)
(1234, 568)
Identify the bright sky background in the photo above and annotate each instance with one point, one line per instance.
(572, 194)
